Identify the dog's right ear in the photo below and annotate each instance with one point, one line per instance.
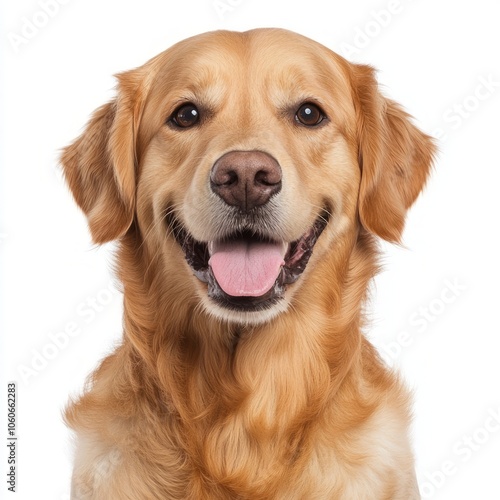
(394, 155)
(100, 165)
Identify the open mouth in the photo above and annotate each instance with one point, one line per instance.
(248, 271)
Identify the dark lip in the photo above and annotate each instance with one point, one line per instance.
(296, 259)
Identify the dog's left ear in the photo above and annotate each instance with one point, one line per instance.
(100, 166)
(395, 158)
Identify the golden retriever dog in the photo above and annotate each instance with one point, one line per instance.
(246, 178)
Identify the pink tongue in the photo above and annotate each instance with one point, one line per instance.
(246, 269)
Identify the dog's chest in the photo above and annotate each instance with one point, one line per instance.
(305, 463)
(232, 463)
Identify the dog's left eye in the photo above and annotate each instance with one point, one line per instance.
(309, 114)
(185, 116)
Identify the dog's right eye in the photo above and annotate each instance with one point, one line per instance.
(309, 115)
(185, 116)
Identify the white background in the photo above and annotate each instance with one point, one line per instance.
(435, 307)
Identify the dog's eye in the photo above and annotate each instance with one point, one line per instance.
(185, 116)
(309, 114)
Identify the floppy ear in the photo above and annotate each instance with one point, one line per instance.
(394, 155)
(100, 166)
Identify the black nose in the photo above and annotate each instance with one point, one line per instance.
(246, 179)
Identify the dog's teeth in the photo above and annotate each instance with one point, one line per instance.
(284, 248)
(211, 245)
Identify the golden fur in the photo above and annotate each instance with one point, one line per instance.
(199, 402)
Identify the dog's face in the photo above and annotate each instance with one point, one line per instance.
(251, 158)
(244, 159)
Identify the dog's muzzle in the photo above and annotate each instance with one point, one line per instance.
(247, 269)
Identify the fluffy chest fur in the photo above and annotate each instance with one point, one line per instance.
(309, 449)
(301, 408)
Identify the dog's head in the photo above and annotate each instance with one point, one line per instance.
(243, 159)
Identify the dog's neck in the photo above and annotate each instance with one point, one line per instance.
(279, 375)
